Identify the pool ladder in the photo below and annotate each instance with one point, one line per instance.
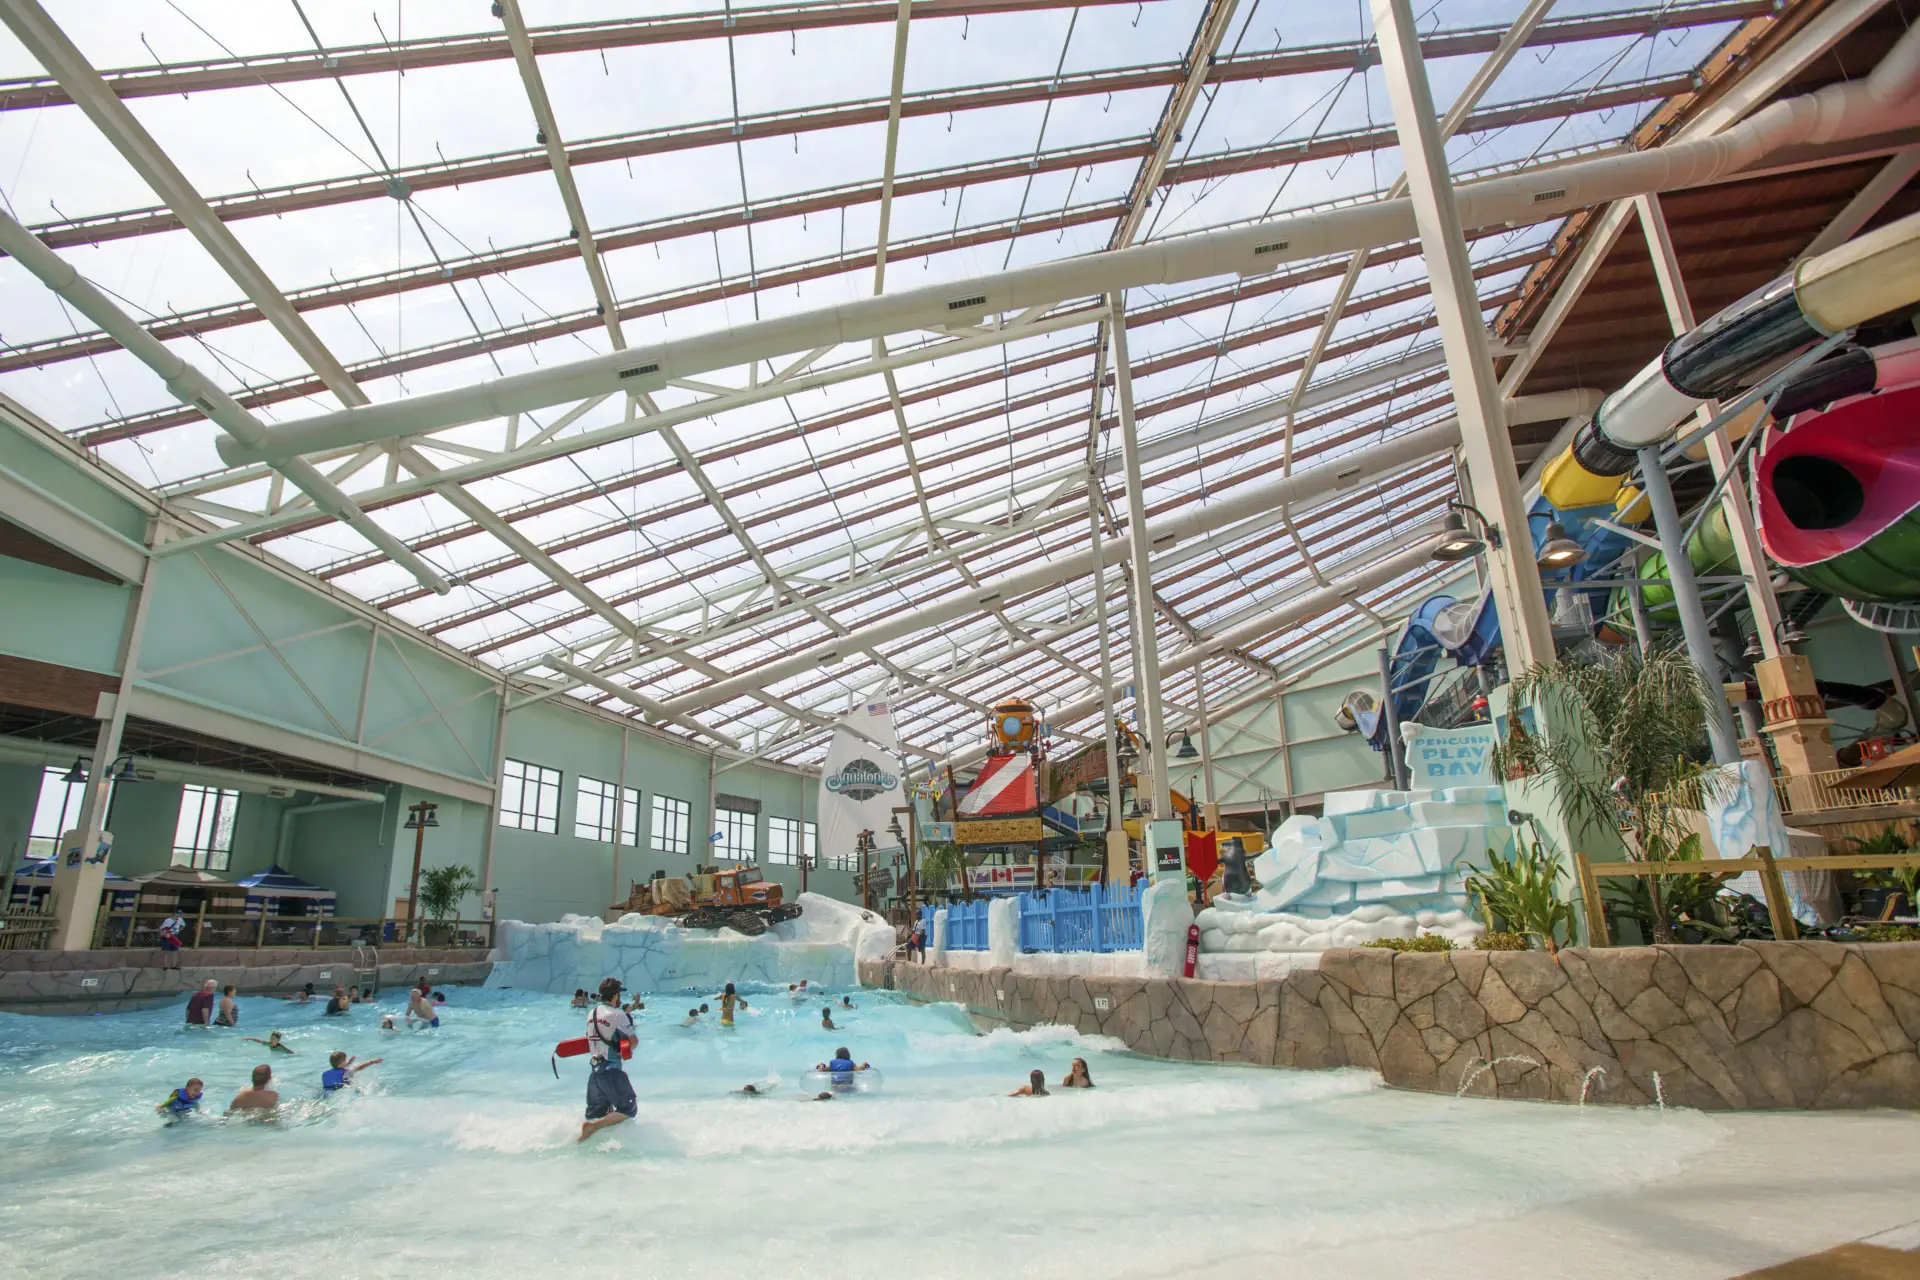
(366, 967)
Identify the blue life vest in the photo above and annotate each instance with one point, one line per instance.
(178, 1103)
(842, 1069)
(335, 1078)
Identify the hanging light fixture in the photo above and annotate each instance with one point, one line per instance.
(1186, 751)
(123, 770)
(1558, 551)
(76, 774)
(1456, 544)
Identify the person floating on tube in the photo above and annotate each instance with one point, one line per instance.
(609, 1093)
(840, 1070)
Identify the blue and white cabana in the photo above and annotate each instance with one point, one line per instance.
(33, 881)
(279, 892)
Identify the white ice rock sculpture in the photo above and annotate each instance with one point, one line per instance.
(1378, 864)
(651, 953)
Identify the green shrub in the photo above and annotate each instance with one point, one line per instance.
(1495, 940)
(1522, 894)
(1425, 942)
(1885, 933)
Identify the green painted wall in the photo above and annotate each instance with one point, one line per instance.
(57, 617)
(19, 792)
(346, 847)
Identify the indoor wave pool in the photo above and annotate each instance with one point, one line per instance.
(456, 1155)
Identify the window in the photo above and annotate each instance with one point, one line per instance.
(783, 841)
(203, 837)
(735, 829)
(594, 812)
(672, 821)
(58, 811)
(529, 797)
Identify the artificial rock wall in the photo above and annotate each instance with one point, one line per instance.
(1760, 1025)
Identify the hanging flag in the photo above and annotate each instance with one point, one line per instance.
(860, 783)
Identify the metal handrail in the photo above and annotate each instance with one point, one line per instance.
(128, 930)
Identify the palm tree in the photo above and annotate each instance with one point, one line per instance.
(944, 863)
(1642, 723)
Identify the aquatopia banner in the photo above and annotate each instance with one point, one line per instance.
(860, 782)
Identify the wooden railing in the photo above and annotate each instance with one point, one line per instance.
(135, 929)
(1802, 793)
(25, 930)
(1588, 873)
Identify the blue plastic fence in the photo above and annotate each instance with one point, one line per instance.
(1053, 920)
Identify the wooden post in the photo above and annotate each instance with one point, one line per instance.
(1598, 935)
(1785, 928)
(199, 920)
(318, 920)
(260, 939)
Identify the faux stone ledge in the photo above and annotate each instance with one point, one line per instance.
(93, 987)
(1760, 1025)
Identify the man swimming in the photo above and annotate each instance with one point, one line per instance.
(340, 1070)
(259, 1097)
(727, 1002)
(200, 1004)
(418, 1006)
(183, 1101)
(692, 1019)
(841, 1068)
(273, 1042)
(609, 1093)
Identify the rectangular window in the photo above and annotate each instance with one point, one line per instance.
(672, 823)
(735, 829)
(58, 811)
(529, 797)
(783, 841)
(203, 836)
(598, 804)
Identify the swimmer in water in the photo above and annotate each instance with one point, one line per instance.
(386, 1022)
(1077, 1077)
(579, 998)
(826, 1018)
(692, 1018)
(183, 1101)
(846, 1002)
(728, 1000)
(634, 1005)
(340, 1070)
(229, 1015)
(1036, 1086)
(418, 1006)
(841, 1068)
(258, 1097)
(793, 991)
(273, 1042)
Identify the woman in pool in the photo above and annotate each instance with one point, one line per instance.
(727, 1002)
(1036, 1086)
(826, 1018)
(273, 1042)
(1077, 1077)
(229, 1015)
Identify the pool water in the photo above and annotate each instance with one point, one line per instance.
(456, 1155)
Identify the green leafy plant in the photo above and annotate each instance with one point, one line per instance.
(1888, 841)
(943, 864)
(1425, 942)
(1500, 940)
(1522, 892)
(1641, 732)
(1885, 933)
(1689, 901)
(441, 889)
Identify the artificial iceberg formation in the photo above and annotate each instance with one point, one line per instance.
(653, 953)
(1378, 864)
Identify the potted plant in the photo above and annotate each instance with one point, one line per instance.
(1877, 886)
(441, 889)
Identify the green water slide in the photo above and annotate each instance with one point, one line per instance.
(1711, 552)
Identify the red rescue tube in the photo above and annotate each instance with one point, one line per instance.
(574, 1048)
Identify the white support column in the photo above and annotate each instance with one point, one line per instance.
(1212, 809)
(1525, 630)
(487, 840)
(1733, 498)
(620, 812)
(81, 872)
(1116, 834)
(1146, 673)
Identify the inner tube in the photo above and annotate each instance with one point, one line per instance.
(868, 1081)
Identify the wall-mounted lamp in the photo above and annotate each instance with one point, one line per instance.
(1558, 551)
